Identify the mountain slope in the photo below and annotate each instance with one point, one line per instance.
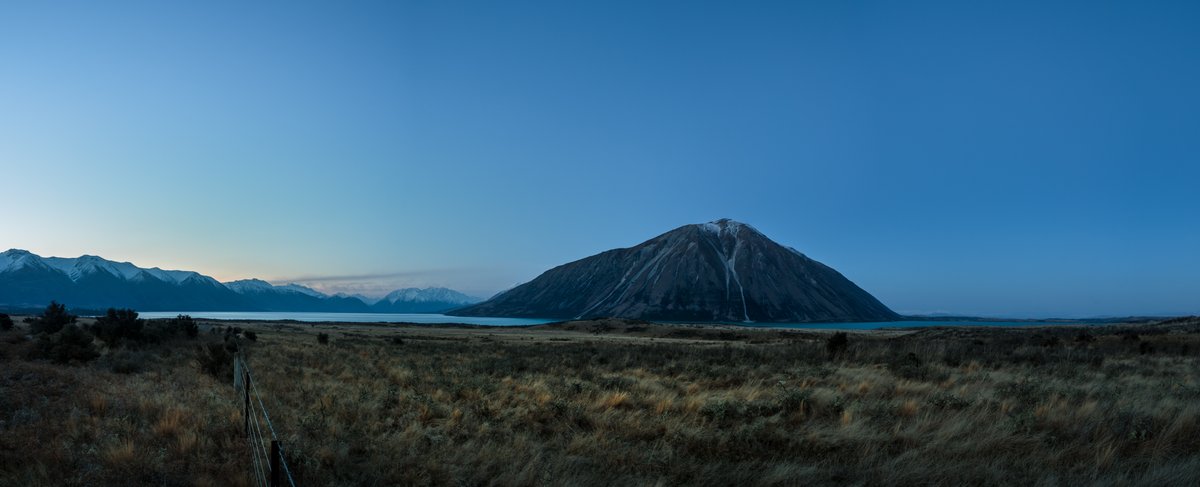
(722, 271)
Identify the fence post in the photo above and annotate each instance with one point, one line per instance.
(246, 396)
(275, 463)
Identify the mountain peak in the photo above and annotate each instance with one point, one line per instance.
(248, 284)
(423, 300)
(724, 271)
(13, 259)
(427, 294)
(725, 226)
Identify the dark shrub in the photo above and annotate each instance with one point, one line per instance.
(163, 329)
(251, 336)
(71, 344)
(909, 367)
(157, 331)
(323, 338)
(6, 322)
(119, 325)
(188, 325)
(1145, 348)
(216, 360)
(53, 319)
(836, 345)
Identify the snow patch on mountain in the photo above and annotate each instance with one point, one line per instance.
(260, 286)
(85, 265)
(428, 295)
(14, 259)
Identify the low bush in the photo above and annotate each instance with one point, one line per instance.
(215, 359)
(119, 325)
(6, 322)
(837, 344)
(156, 331)
(323, 338)
(186, 324)
(53, 319)
(909, 367)
(70, 344)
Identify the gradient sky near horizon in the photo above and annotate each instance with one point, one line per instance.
(996, 158)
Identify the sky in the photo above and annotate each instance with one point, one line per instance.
(989, 158)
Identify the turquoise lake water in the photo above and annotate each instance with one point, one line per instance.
(441, 319)
(347, 317)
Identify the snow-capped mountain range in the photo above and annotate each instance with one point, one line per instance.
(27, 279)
(79, 267)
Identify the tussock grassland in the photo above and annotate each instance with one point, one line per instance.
(89, 425)
(622, 403)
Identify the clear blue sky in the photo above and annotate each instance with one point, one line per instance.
(997, 158)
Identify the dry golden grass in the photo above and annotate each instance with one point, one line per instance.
(86, 425)
(618, 407)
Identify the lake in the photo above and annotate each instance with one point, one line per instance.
(485, 321)
(346, 317)
(907, 324)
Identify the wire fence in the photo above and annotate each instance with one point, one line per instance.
(268, 463)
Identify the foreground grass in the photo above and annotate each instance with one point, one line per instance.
(89, 425)
(620, 404)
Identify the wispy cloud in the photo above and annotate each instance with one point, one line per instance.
(361, 277)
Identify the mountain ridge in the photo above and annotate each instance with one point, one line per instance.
(92, 282)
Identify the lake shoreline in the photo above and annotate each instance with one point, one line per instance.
(444, 321)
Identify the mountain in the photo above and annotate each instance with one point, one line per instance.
(359, 297)
(293, 297)
(89, 282)
(422, 300)
(92, 282)
(722, 271)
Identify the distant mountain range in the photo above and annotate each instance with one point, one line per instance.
(90, 282)
(427, 300)
(722, 271)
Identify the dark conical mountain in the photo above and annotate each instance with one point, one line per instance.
(722, 271)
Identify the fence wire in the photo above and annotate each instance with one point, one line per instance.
(258, 437)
